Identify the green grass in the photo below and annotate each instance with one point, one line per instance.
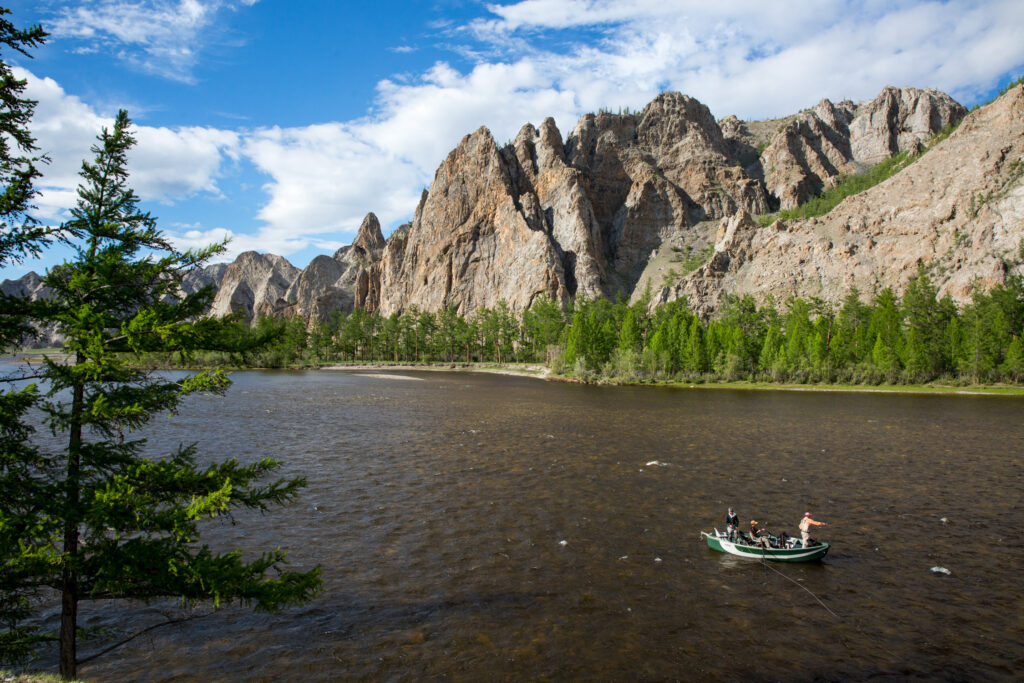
(855, 183)
(848, 186)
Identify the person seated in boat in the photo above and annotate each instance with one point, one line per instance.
(732, 524)
(759, 536)
(805, 528)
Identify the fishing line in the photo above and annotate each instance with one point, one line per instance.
(805, 588)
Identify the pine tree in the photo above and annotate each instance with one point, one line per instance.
(25, 551)
(20, 234)
(128, 525)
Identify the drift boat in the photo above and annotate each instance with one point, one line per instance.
(793, 552)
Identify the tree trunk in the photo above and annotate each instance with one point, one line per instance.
(69, 573)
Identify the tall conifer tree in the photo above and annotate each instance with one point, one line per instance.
(127, 525)
(22, 560)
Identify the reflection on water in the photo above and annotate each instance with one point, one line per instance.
(438, 509)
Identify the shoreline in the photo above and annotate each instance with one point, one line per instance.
(535, 371)
(541, 372)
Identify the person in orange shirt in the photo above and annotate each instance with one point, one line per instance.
(805, 527)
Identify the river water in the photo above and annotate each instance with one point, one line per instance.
(480, 527)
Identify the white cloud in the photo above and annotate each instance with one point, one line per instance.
(326, 177)
(166, 164)
(759, 59)
(198, 239)
(155, 36)
(556, 58)
(169, 164)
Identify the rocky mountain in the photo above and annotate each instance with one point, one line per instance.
(479, 236)
(254, 284)
(958, 211)
(342, 281)
(584, 218)
(195, 280)
(664, 199)
(813, 149)
(30, 286)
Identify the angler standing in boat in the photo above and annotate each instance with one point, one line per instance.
(732, 524)
(805, 527)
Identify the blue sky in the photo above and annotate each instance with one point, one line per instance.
(282, 123)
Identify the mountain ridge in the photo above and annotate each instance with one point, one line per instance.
(603, 211)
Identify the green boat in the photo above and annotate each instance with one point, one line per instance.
(792, 552)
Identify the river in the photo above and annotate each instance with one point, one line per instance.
(480, 527)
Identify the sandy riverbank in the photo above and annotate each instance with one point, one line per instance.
(536, 371)
(541, 372)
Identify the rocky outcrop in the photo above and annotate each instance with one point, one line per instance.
(673, 154)
(479, 237)
(900, 119)
(816, 147)
(633, 200)
(195, 280)
(809, 154)
(958, 211)
(29, 286)
(688, 148)
(254, 284)
(568, 213)
(348, 279)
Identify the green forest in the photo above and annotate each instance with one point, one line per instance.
(874, 339)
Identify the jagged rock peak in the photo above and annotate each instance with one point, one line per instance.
(819, 145)
(25, 286)
(255, 283)
(370, 239)
(672, 120)
(537, 151)
(897, 119)
(477, 238)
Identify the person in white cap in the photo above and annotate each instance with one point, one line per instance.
(805, 527)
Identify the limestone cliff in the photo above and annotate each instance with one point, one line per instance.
(813, 149)
(479, 237)
(958, 211)
(630, 201)
(254, 284)
(339, 282)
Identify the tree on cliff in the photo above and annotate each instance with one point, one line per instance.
(127, 525)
